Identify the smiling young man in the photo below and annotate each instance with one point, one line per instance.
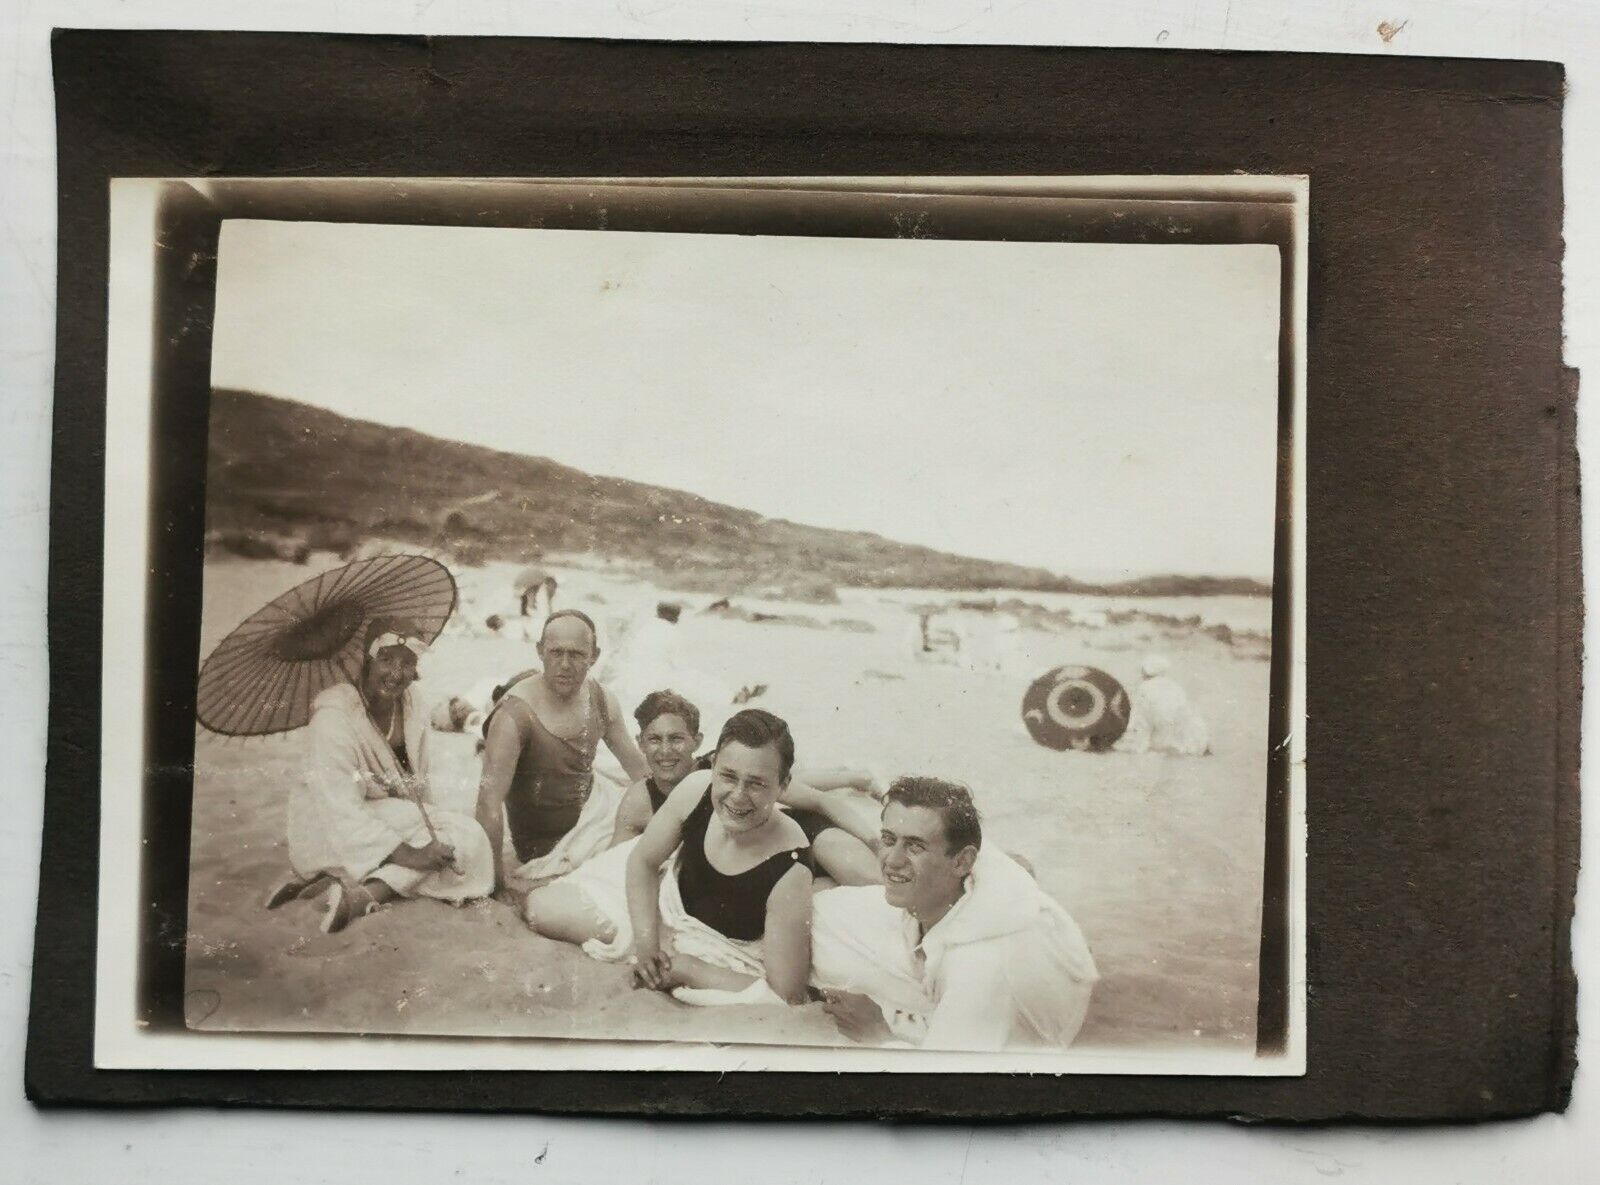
(959, 949)
(669, 735)
(732, 913)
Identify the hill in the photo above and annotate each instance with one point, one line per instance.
(286, 467)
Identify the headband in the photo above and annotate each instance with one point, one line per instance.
(416, 645)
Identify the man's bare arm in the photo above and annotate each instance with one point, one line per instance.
(839, 811)
(633, 814)
(621, 743)
(501, 751)
(842, 777)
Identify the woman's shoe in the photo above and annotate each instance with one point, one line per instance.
(286, 890)
(346, 903)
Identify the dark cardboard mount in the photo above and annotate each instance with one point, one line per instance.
(1443, 582)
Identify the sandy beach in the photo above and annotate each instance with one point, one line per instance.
(1158, 858)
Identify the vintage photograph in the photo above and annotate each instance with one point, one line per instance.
(766, 637)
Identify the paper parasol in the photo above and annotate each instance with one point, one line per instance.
(262, 677)
(1076, 708)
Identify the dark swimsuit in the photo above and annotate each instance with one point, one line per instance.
(732, 905)
(553, 776)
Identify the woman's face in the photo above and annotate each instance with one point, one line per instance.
(389, 673)
(745, 784)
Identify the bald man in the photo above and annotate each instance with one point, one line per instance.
(540, 743)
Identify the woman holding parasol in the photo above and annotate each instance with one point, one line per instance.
(339, 652)
(358, 816)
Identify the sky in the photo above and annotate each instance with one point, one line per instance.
(1103, 411)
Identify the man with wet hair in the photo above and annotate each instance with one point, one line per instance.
(540, 743)
(669, 734)
(958, 949)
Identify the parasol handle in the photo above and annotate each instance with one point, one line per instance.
(416, 797)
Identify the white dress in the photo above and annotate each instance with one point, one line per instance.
(353, 808)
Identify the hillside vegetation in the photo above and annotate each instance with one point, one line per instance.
(284, 468)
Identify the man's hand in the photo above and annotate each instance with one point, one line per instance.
(857, 1017)
(870, 784)
(513, 891)
(653, 969)
(431, 857)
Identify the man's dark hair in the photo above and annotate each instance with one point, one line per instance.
(594, 634)
(666, 703)
(757, 728)
(953, 801)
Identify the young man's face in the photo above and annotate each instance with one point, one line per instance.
(567, 651)
(920, 875)
(745, 784)
(669, 746)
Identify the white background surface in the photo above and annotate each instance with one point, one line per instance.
(209, 1146)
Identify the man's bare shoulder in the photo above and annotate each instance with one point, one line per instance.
(529, 688)
(635, 797)
(790, 834)
(507, 724)
(609, 698)
(689, 791)
(633, 811)
(510, 705)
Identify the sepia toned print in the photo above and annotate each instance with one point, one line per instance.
(739, 639)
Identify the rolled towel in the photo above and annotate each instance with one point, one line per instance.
(759, 992)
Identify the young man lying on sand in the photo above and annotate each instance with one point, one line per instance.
(732, 911)
(669, 734)
(959, 949)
